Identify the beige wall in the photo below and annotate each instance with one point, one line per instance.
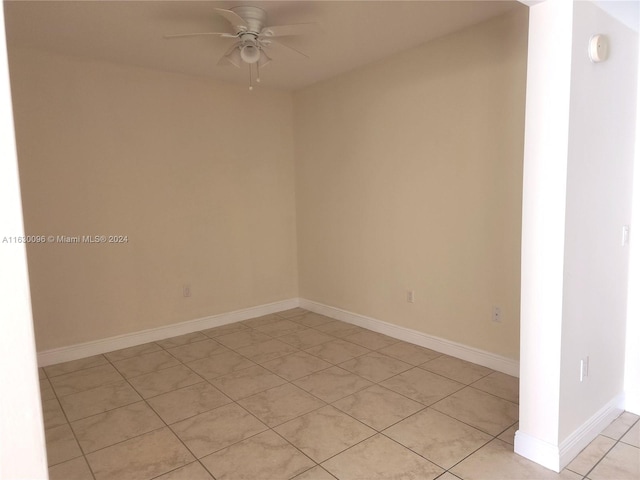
(198, 175)
(409, 177)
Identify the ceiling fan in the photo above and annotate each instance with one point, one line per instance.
(253, 36)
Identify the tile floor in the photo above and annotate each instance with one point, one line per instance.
(296, 395)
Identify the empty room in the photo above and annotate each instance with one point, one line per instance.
(320, 240)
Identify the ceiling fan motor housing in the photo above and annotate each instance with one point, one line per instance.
(252, 37)
(255, 17)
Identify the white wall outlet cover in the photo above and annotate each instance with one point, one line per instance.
(598, 48)
(625, 235)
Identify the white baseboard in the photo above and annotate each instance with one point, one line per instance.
(536, 450)
(82, 350)
(464, 352)
(556, 457)
(458, 350)
(589, 430)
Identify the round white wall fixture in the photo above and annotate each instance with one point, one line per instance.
(598, 48)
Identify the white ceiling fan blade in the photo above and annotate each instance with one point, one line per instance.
(264, 59)
(223, 62)
(289, 30)
(216, 34)
(232, 48)
(280, 44)
(233, 18)
(235, 58)
(229, 58)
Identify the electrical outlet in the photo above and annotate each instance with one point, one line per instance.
(410, 296)
(186, 290)
(497, 314)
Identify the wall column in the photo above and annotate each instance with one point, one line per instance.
(22, 443)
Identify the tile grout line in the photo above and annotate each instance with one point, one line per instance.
(290, 382)
(148, 405)
(494, 437)
(166, 425)
(617, 441)
(197, 459)
(83, 455)
(142, 399)
(381, 432)
(232, 402)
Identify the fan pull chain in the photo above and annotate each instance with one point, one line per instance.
(250, 81)
(258, 72)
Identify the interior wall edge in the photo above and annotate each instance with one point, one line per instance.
(632, 401)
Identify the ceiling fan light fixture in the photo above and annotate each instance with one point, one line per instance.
(250, 53)
(235, 58)
(252, 36)
(264, 59)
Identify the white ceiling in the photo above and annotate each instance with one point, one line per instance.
(351, 33)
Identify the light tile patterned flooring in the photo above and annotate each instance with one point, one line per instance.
(296, 395)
